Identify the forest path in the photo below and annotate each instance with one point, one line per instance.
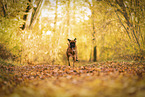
(121, 79)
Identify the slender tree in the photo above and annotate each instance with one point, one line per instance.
(32, 15)
(36, 13)
(28, 15)
(55, 18)
(68, 18)
(91, 6)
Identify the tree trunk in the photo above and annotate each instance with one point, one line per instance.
(27, 16)
(93, 32)
(95, 54)
(68, 19)
(4, 7)
(94, 38)
(31, 18)
(55, 30)
(55, 19)
(36, 14)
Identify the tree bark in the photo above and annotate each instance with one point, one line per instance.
(4, 7)
(93, 34)
(31, 18)
(27, 16)
(36, 13)
(95, 53)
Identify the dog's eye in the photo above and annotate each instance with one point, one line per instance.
(72, 43)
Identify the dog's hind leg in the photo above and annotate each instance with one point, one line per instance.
(76, 56)
(74, 59)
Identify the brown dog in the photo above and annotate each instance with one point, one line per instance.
(72, 51)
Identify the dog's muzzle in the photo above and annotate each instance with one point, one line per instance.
(72, 45)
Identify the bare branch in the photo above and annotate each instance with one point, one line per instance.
(123, 25)
(4, 8)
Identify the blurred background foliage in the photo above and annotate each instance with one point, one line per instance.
(36, 31)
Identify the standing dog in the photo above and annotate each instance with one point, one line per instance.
(72, 51)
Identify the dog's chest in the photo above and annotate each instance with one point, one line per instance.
(72, 51)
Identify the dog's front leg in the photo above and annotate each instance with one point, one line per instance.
(69, 55)
(68, 61)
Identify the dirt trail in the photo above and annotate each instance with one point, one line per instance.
(121, 79)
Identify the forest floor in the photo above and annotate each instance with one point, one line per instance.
(104, 79)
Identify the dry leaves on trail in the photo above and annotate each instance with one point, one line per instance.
(98, 79)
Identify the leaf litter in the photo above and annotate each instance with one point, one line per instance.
(111, 79)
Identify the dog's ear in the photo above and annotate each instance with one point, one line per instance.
(69, 40)
(75, 39)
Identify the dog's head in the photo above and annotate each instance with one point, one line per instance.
(72, 43)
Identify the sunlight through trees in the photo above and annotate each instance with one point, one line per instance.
(110, 39)
(36, 31)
